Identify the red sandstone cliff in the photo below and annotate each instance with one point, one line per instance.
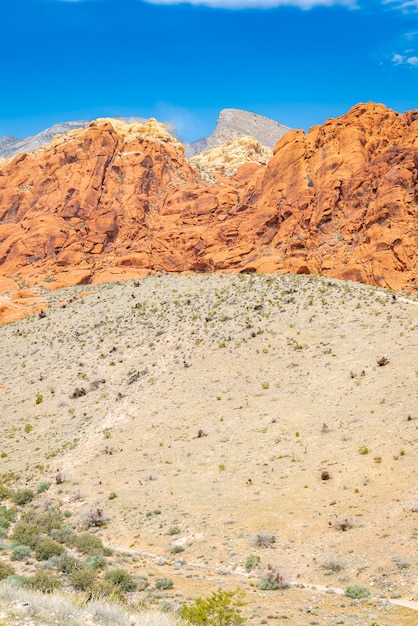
(113, 201)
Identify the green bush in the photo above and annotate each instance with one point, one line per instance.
(68, 563)
(65, 534)
(43, 581)
(27, 534)
(46, 547)
(20, 553)
(6, 570)
(7, 514)
(48, 521)
(22, 496)
(88, 543)
(164, 583)
(252, 561)
(83, 579)
(43, 486)
(96, 561)
(5, 493)
(121, 579)
(222, 608)
(176, 549)
(356, 592)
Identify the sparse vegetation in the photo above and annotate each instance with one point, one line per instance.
(356, 592)
(222, 608)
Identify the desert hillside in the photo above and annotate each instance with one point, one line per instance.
(115, 201)
(231, 416)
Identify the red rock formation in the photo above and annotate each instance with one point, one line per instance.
(115, 201)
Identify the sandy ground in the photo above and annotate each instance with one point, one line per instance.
(215, 406)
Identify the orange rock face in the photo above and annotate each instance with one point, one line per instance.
(115, 201)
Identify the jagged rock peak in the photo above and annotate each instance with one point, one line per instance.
(234, 123)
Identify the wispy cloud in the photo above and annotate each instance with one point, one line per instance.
(403, 5)
(410, 60)
(258, 4)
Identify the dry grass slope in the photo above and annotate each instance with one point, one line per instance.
(199, 411)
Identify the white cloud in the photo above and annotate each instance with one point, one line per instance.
(405, 59)
(404, 5)
(258, 4)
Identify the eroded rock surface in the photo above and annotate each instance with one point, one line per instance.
(118, 200)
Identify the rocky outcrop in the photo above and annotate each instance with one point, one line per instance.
(225, 160)
(120, 200)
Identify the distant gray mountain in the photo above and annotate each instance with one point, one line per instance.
(11, 145)
(231, 124)
(235, 123)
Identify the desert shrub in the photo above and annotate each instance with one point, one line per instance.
(7, 514)
(64, 534)
(6, 570)
(5, 493)
(121, 579)
(22, 497)
(105, 589)
(176, 549)
(401, 562)
(68, 563)
(142, 583)
(94, 518)
(20, 553)
(164, 583)
(27, 534)
(356, 592)
(273, 579)
(222, 608)
(43, 581)
(174, 530)
(46, 548)
(83, 579)
(88, 543)
(343, 524)
(252, 561)
(43, 486)
(264, 539)
(363, 450)
(49, 520)
(96, 561)
(333, 563)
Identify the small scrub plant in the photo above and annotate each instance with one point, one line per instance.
(43, 581)
(6, 570)
(94, 518)
(43, 486)
(264, 539)
(39, 398)
(363, 450)
(164, 583)
(251, 562)
(222, 608)
(265, 385)
(20, 553)
(28, 428)
(46, 548)
(176, 549)
(272, 580)
(112, 495)
(23, 496)
(343, 524)
(121, 579)
(356, 592)
(83, 578)
(174, 530)
(333, 563)
(88, 543)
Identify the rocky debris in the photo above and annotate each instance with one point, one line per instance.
(227, 158)
(116, 201)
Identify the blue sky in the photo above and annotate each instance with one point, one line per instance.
(297, 61)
